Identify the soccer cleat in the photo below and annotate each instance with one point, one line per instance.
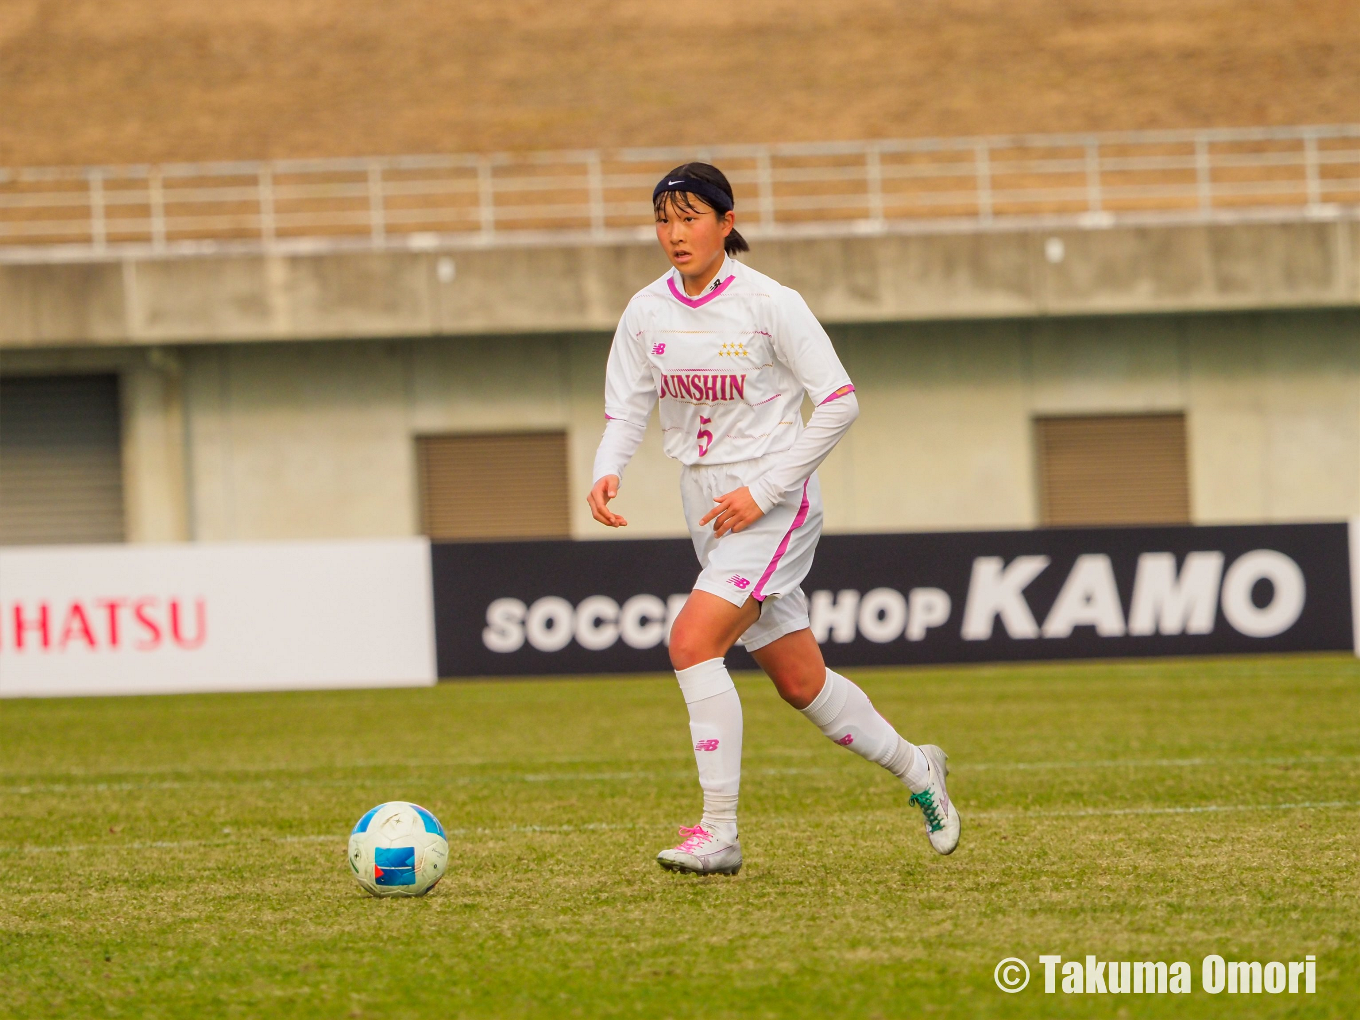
(942, 818)
(702, 853)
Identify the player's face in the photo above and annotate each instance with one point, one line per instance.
(692, 238)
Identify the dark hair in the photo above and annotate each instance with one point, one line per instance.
(709, 174)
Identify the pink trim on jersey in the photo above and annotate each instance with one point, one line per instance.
(847, 388)
(758, 593)
(699, 301)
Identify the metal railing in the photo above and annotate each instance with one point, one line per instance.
(430, 202)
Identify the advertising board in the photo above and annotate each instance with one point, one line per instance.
(276, 616)
(159, 619)
(900, 599)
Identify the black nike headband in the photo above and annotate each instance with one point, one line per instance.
(710, 193)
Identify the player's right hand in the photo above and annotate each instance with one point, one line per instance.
(605, 490)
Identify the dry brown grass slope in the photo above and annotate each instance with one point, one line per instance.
(134, 80)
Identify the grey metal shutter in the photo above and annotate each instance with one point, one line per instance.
(1113, 469)
(494, 485)
(61, 464)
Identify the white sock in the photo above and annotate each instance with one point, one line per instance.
(846, 715)
(715, 728)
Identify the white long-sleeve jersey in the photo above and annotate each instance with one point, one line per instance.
(729, 370)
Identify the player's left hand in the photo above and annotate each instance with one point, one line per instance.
(735, 511)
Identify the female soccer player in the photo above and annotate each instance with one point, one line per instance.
(729, 354)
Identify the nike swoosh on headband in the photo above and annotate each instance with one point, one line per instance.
(710, 193)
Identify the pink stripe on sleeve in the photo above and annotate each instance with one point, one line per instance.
(847, 388)
(758, 593)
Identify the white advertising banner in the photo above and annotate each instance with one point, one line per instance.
(83, 620)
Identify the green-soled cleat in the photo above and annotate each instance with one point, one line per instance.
(942, 818)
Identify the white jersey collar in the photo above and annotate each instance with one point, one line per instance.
(716, 286)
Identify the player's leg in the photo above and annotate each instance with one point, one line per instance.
(782, 643)
(718, 611)
(701, 636)
(843, 712)
(838, 707)
(707, 627)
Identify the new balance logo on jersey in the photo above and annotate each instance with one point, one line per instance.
(703, 388)
(738, 582)
(706, 745)
(658, 349)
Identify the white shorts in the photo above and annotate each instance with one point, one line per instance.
(766, 561)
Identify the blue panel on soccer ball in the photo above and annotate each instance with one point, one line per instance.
(431, 822)
(394, 865)
(362, 824)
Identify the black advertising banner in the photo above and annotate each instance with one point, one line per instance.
(520, 608)
(523, 608)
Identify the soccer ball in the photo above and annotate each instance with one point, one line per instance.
(398, 849)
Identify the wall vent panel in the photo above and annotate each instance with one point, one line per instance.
(1113, 469)
(494, 485)
(61, 464)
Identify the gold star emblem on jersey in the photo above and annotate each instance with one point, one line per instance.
(733, 348)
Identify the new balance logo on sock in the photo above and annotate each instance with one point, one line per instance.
(846, 740)
(706, 745)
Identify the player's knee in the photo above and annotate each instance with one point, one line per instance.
(689, 646)
(683, 656)
(799, 687)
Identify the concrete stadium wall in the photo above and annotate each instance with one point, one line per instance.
(306, 440)
(945, 441)
(250, 298)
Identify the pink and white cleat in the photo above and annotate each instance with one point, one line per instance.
(702, 853)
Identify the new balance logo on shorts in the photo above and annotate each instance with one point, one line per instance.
(739, 582)
(706, 745)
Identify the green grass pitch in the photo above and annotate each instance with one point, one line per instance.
(185, 856)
